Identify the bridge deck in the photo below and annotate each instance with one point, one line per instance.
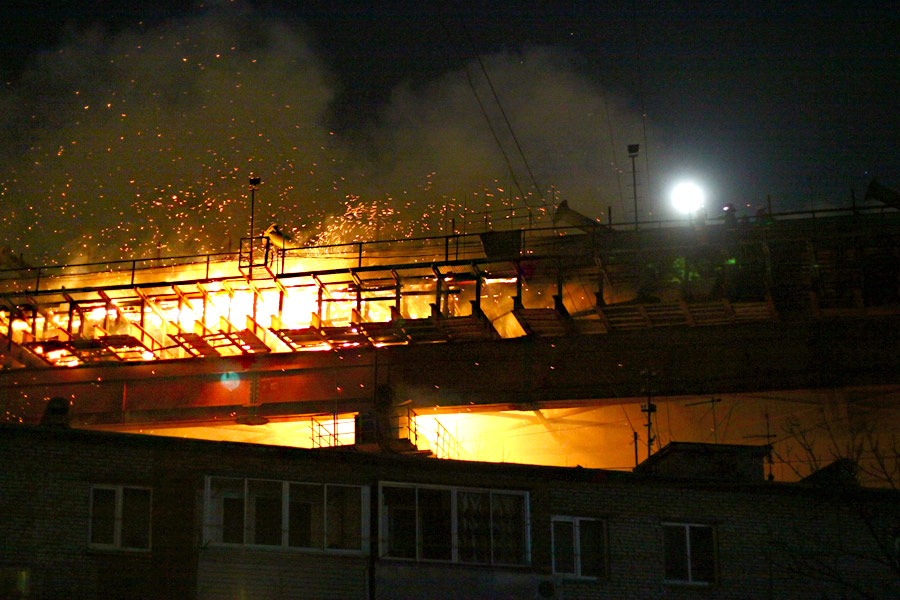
(711, 310)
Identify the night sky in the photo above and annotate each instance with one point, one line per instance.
(130, 128)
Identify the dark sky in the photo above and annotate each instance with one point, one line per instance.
(351, 101)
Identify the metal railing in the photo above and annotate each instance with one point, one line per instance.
(444, 444)
(453, 246)
(341, 430)
(332, 431)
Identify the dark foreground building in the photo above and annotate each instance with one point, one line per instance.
(90, 514)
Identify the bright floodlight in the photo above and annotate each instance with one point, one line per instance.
(687, 197)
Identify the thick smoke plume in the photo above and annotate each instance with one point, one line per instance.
(140, 143)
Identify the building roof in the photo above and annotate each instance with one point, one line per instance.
(694, 460)
(656, 471)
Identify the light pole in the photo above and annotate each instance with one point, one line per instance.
(254, 185)
(632, 153)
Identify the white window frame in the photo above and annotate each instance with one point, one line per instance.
(214, 520)
(576, 542)
(383, 533)
(117, 518)
(690, 568)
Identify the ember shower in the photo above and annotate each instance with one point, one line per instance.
(140, 143)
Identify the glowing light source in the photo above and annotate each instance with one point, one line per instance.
(688, 197)
(230, 380)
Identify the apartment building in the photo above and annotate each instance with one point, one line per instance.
(91, 514)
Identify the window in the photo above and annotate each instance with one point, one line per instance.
(454, 525)
(120, 517)
(264, 514)
(579, 546)
(268, 512)
(306, 523)
(343, 517)
(689, 553)
(399, 521)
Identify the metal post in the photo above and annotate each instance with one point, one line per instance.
(650, 409)
(517, 301)
(634, 191)
(476, 303)
(319, 303)
(252, 210)
(254, 184)
(636, 461)
(632, 153)
(712, 402)
(455, 236)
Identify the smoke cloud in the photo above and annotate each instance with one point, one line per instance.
(141, 142)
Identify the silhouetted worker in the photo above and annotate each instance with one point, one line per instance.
(278, 239)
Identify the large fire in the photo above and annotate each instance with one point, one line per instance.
(339, 296)
(301, 299)
(263, 299)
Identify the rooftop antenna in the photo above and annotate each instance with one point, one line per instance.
(634, 433)
(712, 402)
(649, 408)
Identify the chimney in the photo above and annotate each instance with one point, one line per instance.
(56, 413)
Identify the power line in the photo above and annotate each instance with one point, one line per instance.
(511, 131)
(505, 117)
(612, 142)
(639, 72)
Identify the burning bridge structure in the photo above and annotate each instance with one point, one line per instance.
(550, 327)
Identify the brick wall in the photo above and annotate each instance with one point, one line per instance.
(771, 538)
(761, 531)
